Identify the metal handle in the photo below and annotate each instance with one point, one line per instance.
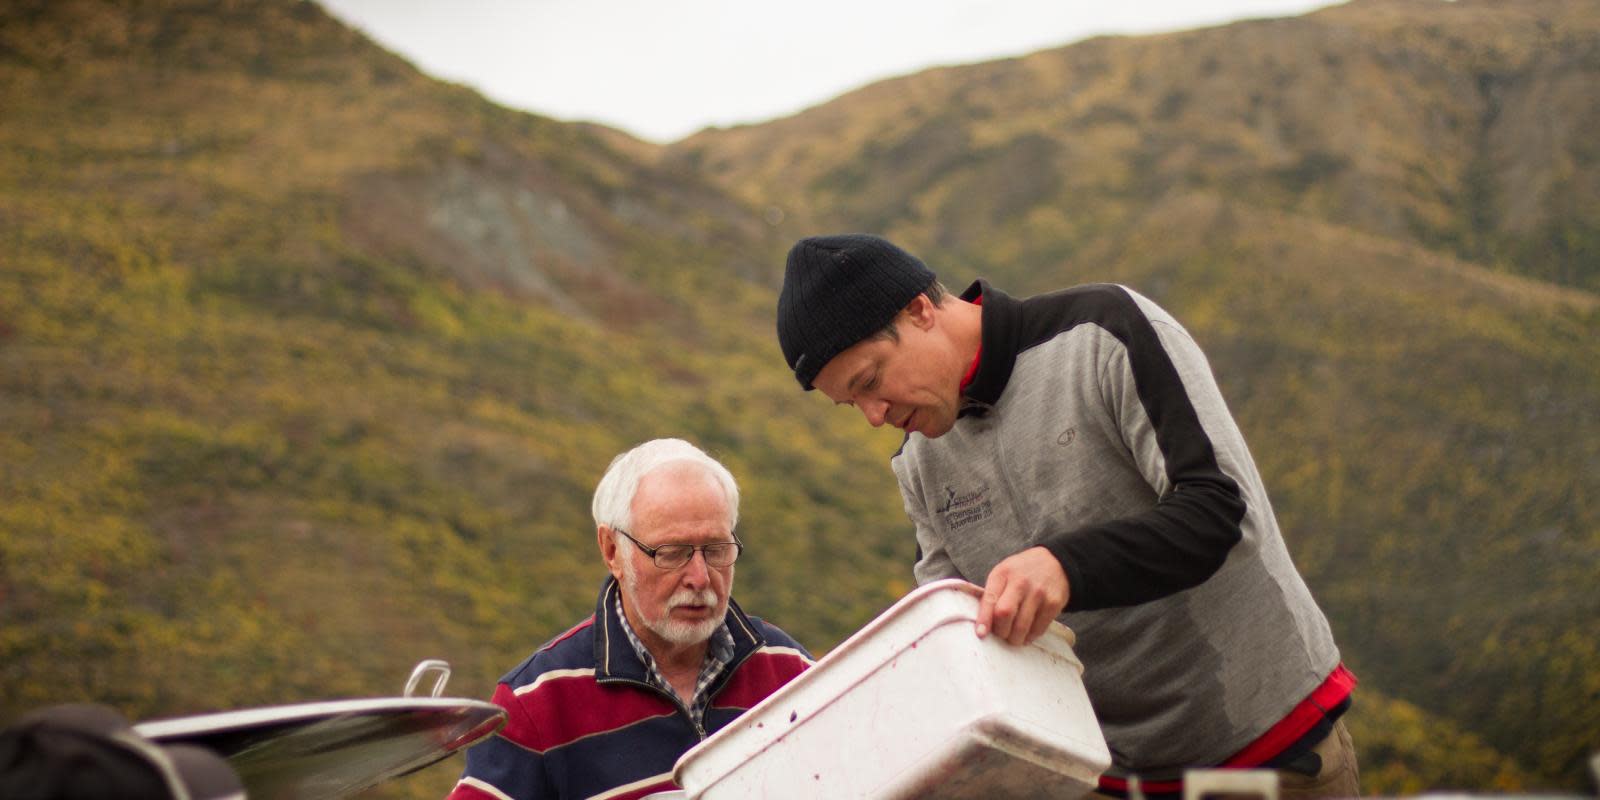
(423, 668)
(1200, 783)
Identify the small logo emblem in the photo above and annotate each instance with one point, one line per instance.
(960, 510)
(1067, 436)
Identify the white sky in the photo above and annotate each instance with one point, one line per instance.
(662, 69)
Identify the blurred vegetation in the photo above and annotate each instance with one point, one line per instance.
(273, 427)
(308, 362)
(1405, 751)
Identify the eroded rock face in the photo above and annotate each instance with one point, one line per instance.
(514, 230)
(506, 230)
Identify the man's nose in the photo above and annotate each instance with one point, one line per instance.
(876, 411)
(696, 573)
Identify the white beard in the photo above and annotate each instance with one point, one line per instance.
(678, 633)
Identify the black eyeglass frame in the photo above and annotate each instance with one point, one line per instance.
(738, 548)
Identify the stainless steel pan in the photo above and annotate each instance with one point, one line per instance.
(335, 748)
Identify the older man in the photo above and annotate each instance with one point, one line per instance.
(605, 709)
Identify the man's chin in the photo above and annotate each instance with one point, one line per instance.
(689, 632)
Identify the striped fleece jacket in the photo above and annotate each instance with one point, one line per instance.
(583, 720)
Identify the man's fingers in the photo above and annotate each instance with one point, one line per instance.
(1022, 622)
(1005, 612)
(1022, 595)
(1041, 623)
(991, 593)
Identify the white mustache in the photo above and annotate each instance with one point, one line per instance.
(690, 597)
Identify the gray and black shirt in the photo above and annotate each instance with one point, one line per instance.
(1093, 427)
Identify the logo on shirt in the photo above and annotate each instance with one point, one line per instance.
(1067, 437)
(960, 510)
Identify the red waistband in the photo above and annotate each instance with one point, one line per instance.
(1299, 722)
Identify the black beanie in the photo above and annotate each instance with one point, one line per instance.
(838, 290)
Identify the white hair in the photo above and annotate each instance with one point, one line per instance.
(613, 497)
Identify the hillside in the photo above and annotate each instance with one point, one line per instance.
(1463, 126)
(1380, 221)
(309, 362)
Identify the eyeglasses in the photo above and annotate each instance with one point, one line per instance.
(673, 556)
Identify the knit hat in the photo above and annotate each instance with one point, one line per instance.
(83, 751)
(838, 290)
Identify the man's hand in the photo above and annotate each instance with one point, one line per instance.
(1022, 595)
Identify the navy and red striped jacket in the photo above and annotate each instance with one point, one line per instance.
(585, 722)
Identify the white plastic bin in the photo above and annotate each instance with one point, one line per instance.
(915, 705)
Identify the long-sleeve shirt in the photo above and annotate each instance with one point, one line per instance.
(1093, 427)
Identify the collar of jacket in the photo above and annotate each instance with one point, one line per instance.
(615, 659)
(1002, 329)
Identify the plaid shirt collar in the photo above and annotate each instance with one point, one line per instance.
(719, 653)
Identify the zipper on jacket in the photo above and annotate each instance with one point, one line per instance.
(1014, 499)
(971, 406)
(699, 730)
(722, 681)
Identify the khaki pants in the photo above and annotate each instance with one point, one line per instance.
(1339, 777)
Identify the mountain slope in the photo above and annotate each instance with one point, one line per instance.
(1462, 126)
(309, 363)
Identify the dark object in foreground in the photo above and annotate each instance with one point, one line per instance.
(88, 752)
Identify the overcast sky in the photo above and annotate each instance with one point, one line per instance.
(662, 69)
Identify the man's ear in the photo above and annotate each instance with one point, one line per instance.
(609, 551)
(920, 312)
